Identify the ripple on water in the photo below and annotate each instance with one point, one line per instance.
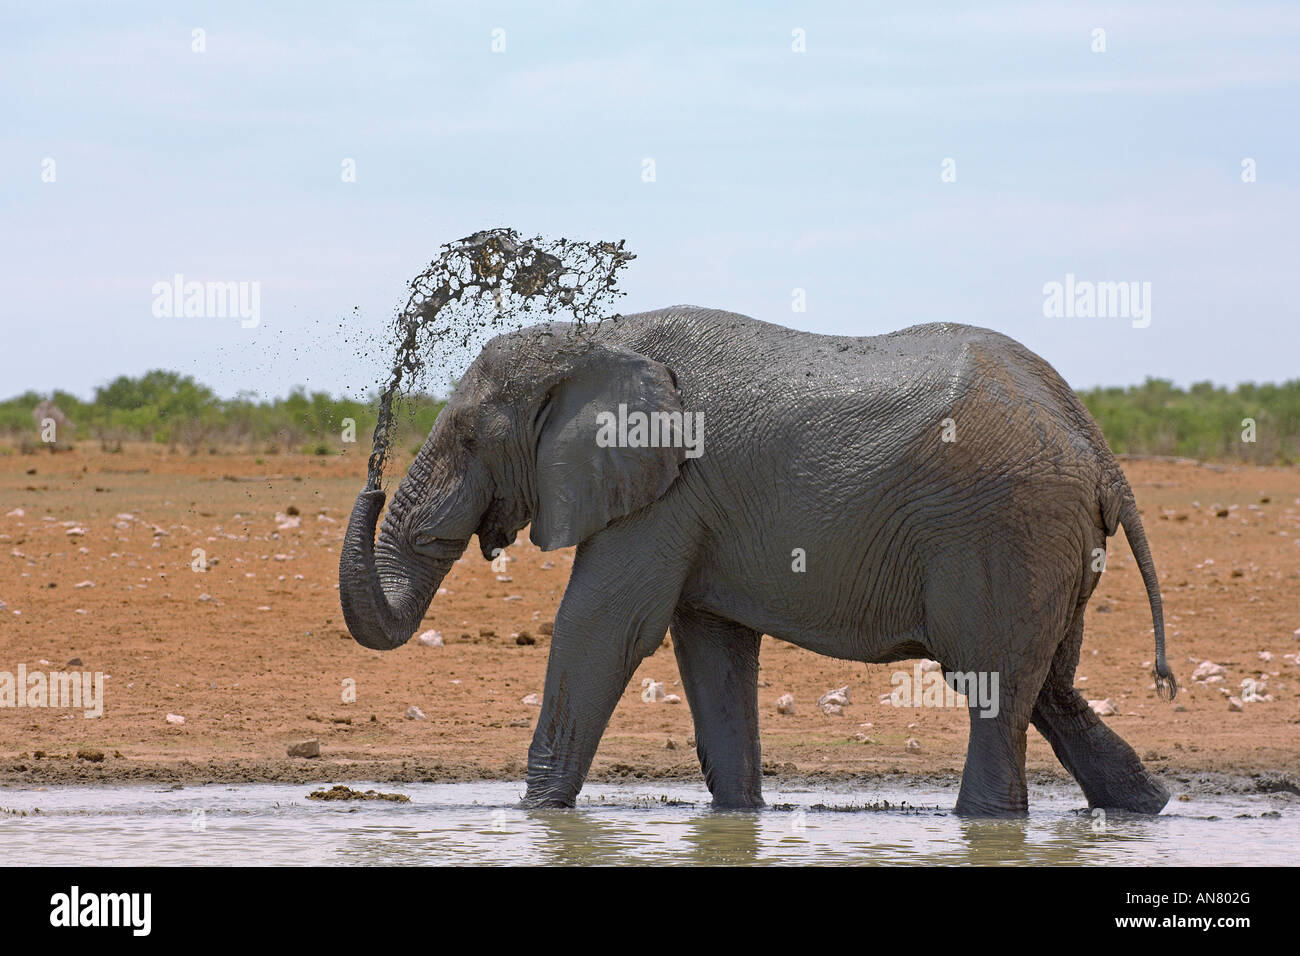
(479, 823)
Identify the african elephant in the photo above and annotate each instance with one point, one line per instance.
(947, 490)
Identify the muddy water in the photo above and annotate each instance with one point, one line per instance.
(477, 823)
(494, 281)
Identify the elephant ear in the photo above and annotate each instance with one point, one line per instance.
(585, 481)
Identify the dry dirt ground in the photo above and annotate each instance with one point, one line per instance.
(95, 563)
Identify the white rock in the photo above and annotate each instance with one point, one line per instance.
(929, 666)
(1265, 656)
(16, 513)
(838, 696)
(913, 745)
(75, 532)
(415, 713)
(832, 710)
(1234, 704)
(672, 699)
(1208, 669)
(652, 690)
(84, 584)
(1103, 708)
(430, 639)
(532, 700)
(175, 719)
(785, 704)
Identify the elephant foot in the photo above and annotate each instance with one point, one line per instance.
(737, 802)
(1138, 793)
(978, 808)
(545, 801)
(1106, 768)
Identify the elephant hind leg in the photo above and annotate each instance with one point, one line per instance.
(1107, 768)
(996, 626)
(993, 779)
(718, 661)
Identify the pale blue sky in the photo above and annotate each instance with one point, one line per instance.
(775, 170)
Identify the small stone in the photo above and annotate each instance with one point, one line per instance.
(838, 696)
(16, 513)
(415, 713)
(652, 691)
(524, 639)
(785, 704)
(913, 745)
(546, 627)
(430, 639)
(863, 738)
(486, 632)
(75, 662)
(1208, 669)
(670, 744)
(84, 584)
(1235, 704)
(175, 719)
(520, 722)
(929, 667)
(1103, 708)
(90, 754)
(1265, 656)
(532, 700)
(833, 710)
(672, 699)
(305, 748)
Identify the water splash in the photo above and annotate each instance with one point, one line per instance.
(490, 280)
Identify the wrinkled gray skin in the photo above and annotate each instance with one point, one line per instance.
(976, 552)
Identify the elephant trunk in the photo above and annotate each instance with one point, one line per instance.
(385, 595)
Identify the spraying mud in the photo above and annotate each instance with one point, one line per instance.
(490, 280)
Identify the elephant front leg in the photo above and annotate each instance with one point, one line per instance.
(614, 614)
(718, 661)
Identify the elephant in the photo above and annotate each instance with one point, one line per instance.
(942, 490)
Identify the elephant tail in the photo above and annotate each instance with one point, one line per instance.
(1123, 511)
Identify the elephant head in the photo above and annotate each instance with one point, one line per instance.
(515, 444)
